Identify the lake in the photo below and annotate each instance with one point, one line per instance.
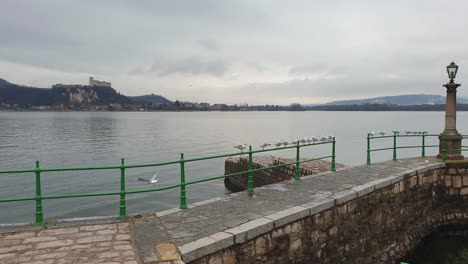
(83, 139)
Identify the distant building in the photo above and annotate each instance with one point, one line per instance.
(93, 82)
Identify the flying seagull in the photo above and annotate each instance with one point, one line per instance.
(153, 179)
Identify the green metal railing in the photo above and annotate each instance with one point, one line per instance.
(395, 135)
(123, 192)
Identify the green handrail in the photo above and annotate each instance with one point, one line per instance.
(423, 145)
(123, 192)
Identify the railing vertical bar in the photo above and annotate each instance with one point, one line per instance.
(368, 150)
(394, 145)
(333, 165)
(250, 180)
(39, 212)
(183, 197)
(423, 153)
(123, 204)
(297, 172)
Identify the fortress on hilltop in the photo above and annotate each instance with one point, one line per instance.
(92, 82)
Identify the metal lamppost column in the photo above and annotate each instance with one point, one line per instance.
(452, 137)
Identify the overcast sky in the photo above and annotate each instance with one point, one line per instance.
(255, 52)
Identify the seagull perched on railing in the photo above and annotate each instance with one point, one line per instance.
(278, 143)
(396, 132)
(407, 132)
(309, 140)
(382, 133)
(314, 139)
(372, 133)
(241, 147)
(153, 179)
(322, 138)
(294, 142)
(264, 145)
(303, 140)
(331, 137)
(285, 143)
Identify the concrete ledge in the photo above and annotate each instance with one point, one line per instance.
(289, 215)
(344, 196)
(363, 189)
(251, 229)
(206, 246)
(319, 206)
(167, 212)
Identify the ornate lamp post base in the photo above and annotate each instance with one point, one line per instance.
(453, 143)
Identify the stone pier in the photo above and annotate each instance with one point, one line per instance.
(362, 214)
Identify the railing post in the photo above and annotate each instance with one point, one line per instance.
(297, 172)
(394, 145)
(250, 180)
(444, 149)
(333, 165)
(123, 204)
(368, 149)
(423, 153)
(39, 213)
(183, 197)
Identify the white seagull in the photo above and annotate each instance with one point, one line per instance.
(241, 147)
(153, 179)
(264, 145)
(278, 144)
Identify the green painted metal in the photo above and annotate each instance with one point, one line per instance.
(394, 145)
(250, 180)
(38, 198)
(368, 150)
(297, 171)
(123, 192)
(423, 151)
(183, 195)
(333, 165)
(123, 206)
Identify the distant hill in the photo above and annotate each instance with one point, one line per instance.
(410, 99)
(151, 98)
(32, 96)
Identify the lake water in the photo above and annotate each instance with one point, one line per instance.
(83, 139)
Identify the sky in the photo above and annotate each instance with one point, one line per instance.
(239, 51)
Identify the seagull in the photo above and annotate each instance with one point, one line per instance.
(264, 145)
(314, 139)
(372, 133)
(382, 133)
(309, 140)
(153, 179)
(331, 137)
(407, 132)
(278, 144)
(294, 142)
(285, 143)
(241, 147)
(303, 140)
(322, 138)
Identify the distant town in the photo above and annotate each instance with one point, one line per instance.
(100, 96)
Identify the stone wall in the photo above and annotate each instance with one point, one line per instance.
(261, 178)
(378, 223)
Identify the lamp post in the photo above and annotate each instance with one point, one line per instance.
(450, 135)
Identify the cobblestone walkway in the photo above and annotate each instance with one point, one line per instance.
(109, 243)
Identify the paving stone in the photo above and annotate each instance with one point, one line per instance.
(205, 246)
(344, 196)
(289, 215)
(94, 239)
(251, 229)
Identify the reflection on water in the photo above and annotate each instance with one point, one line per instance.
(83, 139)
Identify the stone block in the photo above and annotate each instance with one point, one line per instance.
(319, 206)
(363, 189)
(205, 246)
(382, 183)
(289, 215)
(344, 196)
(251, 229)
(167, 212)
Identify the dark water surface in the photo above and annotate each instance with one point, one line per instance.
(83, 139)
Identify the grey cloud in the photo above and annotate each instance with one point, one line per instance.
(191, 65)
(208, 44)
